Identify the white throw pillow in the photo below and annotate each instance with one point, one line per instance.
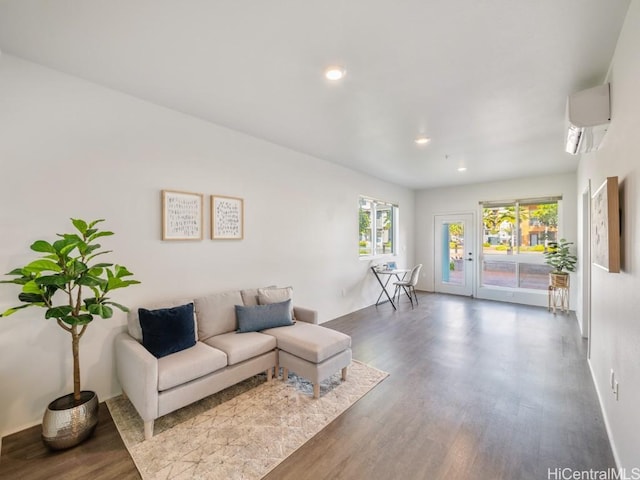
(267, 296)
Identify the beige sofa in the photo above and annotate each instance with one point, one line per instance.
(220, 357)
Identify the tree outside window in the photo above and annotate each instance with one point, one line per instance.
(515, 236)
(377, 227)
(365, 227)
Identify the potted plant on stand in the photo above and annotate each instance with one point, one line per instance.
(72, 290)
(562, 261)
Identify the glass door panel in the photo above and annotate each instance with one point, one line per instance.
(454, 254)
(453, 265)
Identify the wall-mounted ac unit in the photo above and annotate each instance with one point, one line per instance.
(588, 115)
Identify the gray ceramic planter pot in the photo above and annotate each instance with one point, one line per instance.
(67, 423)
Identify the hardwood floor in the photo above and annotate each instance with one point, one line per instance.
(477, 390)
(102, 457)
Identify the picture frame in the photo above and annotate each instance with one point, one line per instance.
(227, 218)
(605, 226)
(182, 215)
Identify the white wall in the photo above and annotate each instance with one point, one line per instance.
(615, 321)
(69, 148)
(465, 199)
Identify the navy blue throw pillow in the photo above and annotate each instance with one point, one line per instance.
(261, 317)
(167, 330)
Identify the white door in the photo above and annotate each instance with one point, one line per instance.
(454, 254)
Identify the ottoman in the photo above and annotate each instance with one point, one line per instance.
(312, 351)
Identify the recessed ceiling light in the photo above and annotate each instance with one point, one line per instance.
(422, 140)
(335, 73)
(462, 169)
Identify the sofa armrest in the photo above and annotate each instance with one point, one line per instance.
(305, 315)
(137, 371)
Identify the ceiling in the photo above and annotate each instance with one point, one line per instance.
(486, 80)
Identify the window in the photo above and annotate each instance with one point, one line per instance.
(377, 227)
(515, 236)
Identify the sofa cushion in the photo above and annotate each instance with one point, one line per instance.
(217, 314)
(182, 367)
(250, 296)
(241, 347)
(314, 343)
(270, 295)
(133, 320)
(167, 330)
(274, 295)
(254, 319)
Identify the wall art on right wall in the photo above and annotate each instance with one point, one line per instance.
(227, 218)
(605, 226)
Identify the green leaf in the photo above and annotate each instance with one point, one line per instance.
(102, 310)
(57, 280)
(42, 246)
(16, 271)
(31, 298)
(92, 237)
(13, 310)
(65, 245)
(91, 257)
(90, 281)
(115, 282)
(90, 249)
(84, 319)
(117, 305)
(92, 224)
(24, 277)
(81, 225)
(49, 291)
(90, 301)
(82, 247)
(121, 271)
(95, 271)
(81, 319)
(75, 267)
(102, 265)
(58, 312)
(42, 265)
(32, 287)
(17, 281)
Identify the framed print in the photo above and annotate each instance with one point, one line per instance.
(227, 218)
(182, 215)
(605, 226)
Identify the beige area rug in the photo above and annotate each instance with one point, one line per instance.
(242, 432)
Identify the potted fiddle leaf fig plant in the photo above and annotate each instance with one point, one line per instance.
(73, 288)
(559, 257)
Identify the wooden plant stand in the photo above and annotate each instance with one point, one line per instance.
(558, 292)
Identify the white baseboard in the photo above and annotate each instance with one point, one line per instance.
(604, 416)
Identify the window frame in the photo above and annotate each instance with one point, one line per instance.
(517, 257)
(392, 232)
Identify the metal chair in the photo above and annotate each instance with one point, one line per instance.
(409, 286)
